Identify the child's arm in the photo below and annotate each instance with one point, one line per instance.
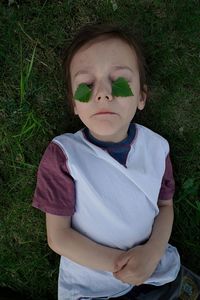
(137, 265)
(162, 228)
(69, 243)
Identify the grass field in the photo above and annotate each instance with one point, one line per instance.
(33, 109)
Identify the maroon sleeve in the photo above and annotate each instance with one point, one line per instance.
(55, 188)
(168, 185)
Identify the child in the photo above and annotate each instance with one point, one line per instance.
(107, 189)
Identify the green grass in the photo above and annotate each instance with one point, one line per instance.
(33, 109)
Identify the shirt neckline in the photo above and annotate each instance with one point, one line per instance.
(111, 145)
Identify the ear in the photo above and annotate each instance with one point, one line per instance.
(143, 98)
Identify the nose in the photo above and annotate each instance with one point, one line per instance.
(104, 96)
(103, 93)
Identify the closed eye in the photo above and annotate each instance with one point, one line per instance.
(124, 77)
(90, 85)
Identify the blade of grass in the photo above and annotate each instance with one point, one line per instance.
(31, 125)
(197, 206)
(22, 84)
(30, 65)
(24, 78)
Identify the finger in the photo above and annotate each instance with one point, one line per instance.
(117, 272)
(128, 278)
(121, 261)
(123, 273)
(116, 275)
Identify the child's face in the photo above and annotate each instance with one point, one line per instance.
(99, 63)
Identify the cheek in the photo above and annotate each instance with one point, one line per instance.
(129, 106)
(135, 86)
(81, 108)
(127, 103)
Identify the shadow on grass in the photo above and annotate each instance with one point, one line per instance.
(8, 294)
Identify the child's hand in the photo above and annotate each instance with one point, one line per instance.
(136, 265)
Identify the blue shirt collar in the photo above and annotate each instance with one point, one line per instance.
(111, 145)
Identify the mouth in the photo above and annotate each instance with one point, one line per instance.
(105, 113)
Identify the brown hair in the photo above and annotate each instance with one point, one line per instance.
(90, 32)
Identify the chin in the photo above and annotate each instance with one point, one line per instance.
(104, 131)
(107, 134)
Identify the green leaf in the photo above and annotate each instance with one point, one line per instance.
(83, 93)
(121, 88)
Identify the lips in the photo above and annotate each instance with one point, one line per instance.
(105, 113)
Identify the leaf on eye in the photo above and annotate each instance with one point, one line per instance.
(83, 93)
(121, 88)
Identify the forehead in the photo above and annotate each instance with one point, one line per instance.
(103, 49)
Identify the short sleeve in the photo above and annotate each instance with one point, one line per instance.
(55, 188)
(168, 184)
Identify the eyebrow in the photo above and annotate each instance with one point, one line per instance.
(115, 68)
